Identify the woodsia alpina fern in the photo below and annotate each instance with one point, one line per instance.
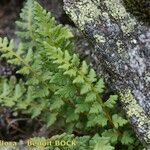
(58, 87)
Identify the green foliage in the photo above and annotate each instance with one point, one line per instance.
(57, 86)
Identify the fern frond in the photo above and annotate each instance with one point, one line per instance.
(11, 92)
(25, 29)
(20, 96)
(80, 71)
(48, 29)
(16, 56)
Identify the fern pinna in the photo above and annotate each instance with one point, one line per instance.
(57, 86)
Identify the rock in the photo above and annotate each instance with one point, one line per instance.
(56, 8)
(122, 49)
(6, 69)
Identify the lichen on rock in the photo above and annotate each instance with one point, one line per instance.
(122, 48)
(140, 121)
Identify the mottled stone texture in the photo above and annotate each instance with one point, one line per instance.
(122, 48)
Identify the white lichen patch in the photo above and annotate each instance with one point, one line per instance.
(119, 12)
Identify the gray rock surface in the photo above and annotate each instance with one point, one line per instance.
(122, 49)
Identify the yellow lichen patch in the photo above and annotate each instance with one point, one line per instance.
(119, 12)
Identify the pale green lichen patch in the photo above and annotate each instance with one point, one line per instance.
(99, 38)
(147, 77)
(120, 46)
(136, 111)
(119, 12)
(121, 49)
(105, 15)
(88, 12)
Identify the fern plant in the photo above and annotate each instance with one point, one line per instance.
(57, 86)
